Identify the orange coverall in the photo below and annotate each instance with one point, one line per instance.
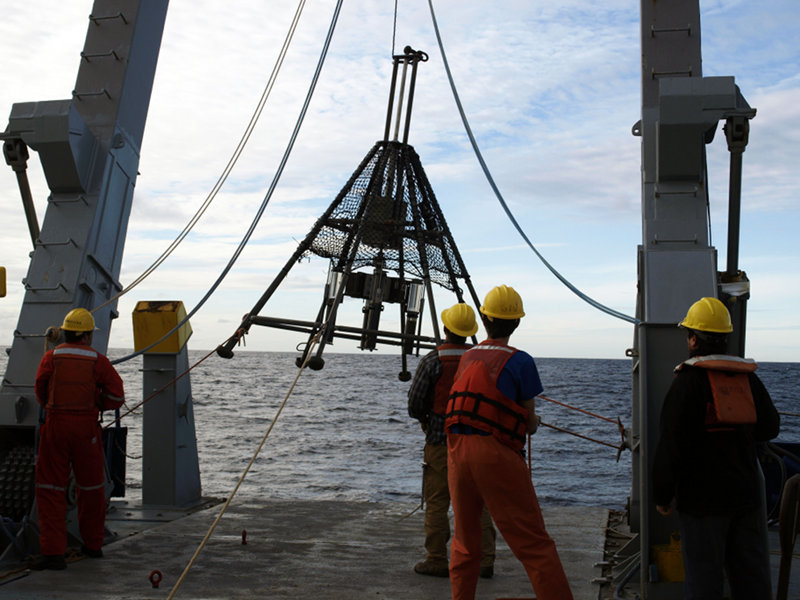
(73, 382)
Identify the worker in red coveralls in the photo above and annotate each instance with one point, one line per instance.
(74, 383)
(489, 414)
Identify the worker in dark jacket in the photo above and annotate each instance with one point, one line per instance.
(714, 414)
(427, 400)
(74, 383)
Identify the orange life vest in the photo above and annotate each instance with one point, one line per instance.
(73, 386)
(449, 357)
(475, 400)
(730, 389)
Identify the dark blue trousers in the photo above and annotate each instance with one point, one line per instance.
(731, 544)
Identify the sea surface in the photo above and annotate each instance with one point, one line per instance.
(345, 433)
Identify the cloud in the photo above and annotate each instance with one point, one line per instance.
(550, 90)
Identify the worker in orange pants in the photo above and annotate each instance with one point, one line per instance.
(490, 412)
(485, 471)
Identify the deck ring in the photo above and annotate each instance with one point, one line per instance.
(155, 577)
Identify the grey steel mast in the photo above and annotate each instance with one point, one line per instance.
(676, 262)
(89, 147)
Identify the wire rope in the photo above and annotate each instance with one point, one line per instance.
(267, 196)
(394, 27)
(228, 168)
(506, 209)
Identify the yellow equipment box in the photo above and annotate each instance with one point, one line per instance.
(151, 320)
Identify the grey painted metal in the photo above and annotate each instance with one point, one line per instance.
(170, 467)
(676, 263)
(89, 148)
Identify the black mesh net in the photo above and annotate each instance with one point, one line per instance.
(387, 215)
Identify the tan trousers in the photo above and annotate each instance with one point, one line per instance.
(437, 504)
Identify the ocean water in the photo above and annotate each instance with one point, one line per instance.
(345, 432)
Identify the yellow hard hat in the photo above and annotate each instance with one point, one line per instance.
(78, 319)
(460, 319)
(503, 302)
(708, 314)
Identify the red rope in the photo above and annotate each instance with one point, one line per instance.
(579, 435)
(161, 389)
(586, 412)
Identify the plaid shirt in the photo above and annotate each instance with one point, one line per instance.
(420, 398)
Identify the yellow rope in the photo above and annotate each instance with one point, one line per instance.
(244, 474)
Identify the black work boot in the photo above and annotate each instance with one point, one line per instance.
(54, 562)
(92, 553)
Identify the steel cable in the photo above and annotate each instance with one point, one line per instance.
(228, 168)
(267, 197)
(506, 209)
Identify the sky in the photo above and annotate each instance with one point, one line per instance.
(551, 91)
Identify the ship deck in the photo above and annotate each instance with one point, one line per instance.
(294, 549)
(297, 549)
